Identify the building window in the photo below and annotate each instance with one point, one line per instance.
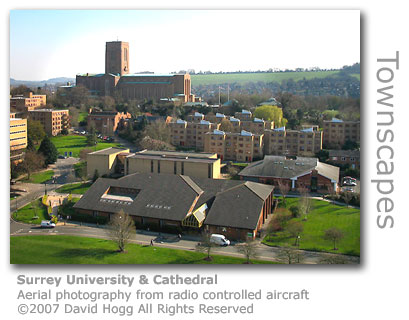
(209, 170)
(183, 168)
(151, 165)
(158, 166)
(175, 167)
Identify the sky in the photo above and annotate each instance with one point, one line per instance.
(62, 43)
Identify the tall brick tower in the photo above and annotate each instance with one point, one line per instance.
(117, 57)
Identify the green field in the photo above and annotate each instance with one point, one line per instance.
(82, 250)
(40, 177)
(208, 79)
(76, 143)
(76, 188)
(82, 116)
(27, 213)
(323, 216)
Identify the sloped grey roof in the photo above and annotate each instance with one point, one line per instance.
(280, 167)
(231, 203)
(161, 196)
(344, 153)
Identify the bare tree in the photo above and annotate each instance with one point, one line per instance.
(248, 249)
(158, 130)
(284, 188)
(305, 203)
(334, 235)
(121, 227)
(289, 255)
(295, 228)
(205, 245)
(32, 161)
(226, 126)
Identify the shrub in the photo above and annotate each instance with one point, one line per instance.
(295, 211)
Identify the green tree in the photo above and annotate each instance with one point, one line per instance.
(48, 150)
(32, 161)
(271, 113)
(35, 131)
(30, 144)
(92, 139)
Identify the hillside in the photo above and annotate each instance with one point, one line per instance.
(242, 78)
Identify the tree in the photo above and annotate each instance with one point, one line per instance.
(226, 126)
(334, 235)
(92, 139)
(48, 150)
(32, 162)
(295, 228)
(347, 197)
(30, 144)
(271, 113)
(248, 249)
(205, 245)
(74, 115)
(289, 255)
(35, 131)
(305, 202)
(284, 189)
(158, 130)
(120, 229)
(295, 211)
(83, 154)
(153, 144)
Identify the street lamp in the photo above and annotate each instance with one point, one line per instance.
(298, 241)
(45, 188)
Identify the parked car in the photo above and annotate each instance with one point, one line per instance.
(47, 224)
(62, 157)
(219, 239)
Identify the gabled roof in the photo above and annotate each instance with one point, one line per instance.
(231, 203)
(281, 167)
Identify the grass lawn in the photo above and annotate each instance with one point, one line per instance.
(77, 188)
(40, 177)
(207, 79)
(75, 144)
(82, 116)
(27, 213)
(323, 216)
(82, 250)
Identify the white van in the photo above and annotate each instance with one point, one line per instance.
(47, 224)
(219, 239)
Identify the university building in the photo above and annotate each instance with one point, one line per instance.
(53, 121)
(117, 161)
(295, 172)
(31, 102)
(18, 138)
(106, 122)
(236, 209)
(305, 142)
(337, 132)
(117, 79)
(243, 147)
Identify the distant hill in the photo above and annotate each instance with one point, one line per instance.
(41, 83)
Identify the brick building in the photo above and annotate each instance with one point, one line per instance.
(117, 79)
(295, 172)
(28, 103)
(337, 132)
(53, 121)
(236, 209)
(18, 138)
(105, 122)
(306, 142)
(351, 158)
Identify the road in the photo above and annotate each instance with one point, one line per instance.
(164, 240)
